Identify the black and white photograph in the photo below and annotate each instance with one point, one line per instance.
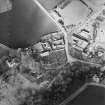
(52, 52)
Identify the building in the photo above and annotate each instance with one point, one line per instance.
(79, 42)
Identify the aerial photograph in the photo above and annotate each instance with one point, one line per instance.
(52, 52)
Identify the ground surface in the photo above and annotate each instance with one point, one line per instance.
(92, 95)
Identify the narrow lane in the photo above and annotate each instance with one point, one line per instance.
(70, 59)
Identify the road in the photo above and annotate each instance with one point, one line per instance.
(70, 59)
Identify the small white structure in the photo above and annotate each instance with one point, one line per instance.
(44, 54)
(46, 46)
(96, 79)
(5, 5)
